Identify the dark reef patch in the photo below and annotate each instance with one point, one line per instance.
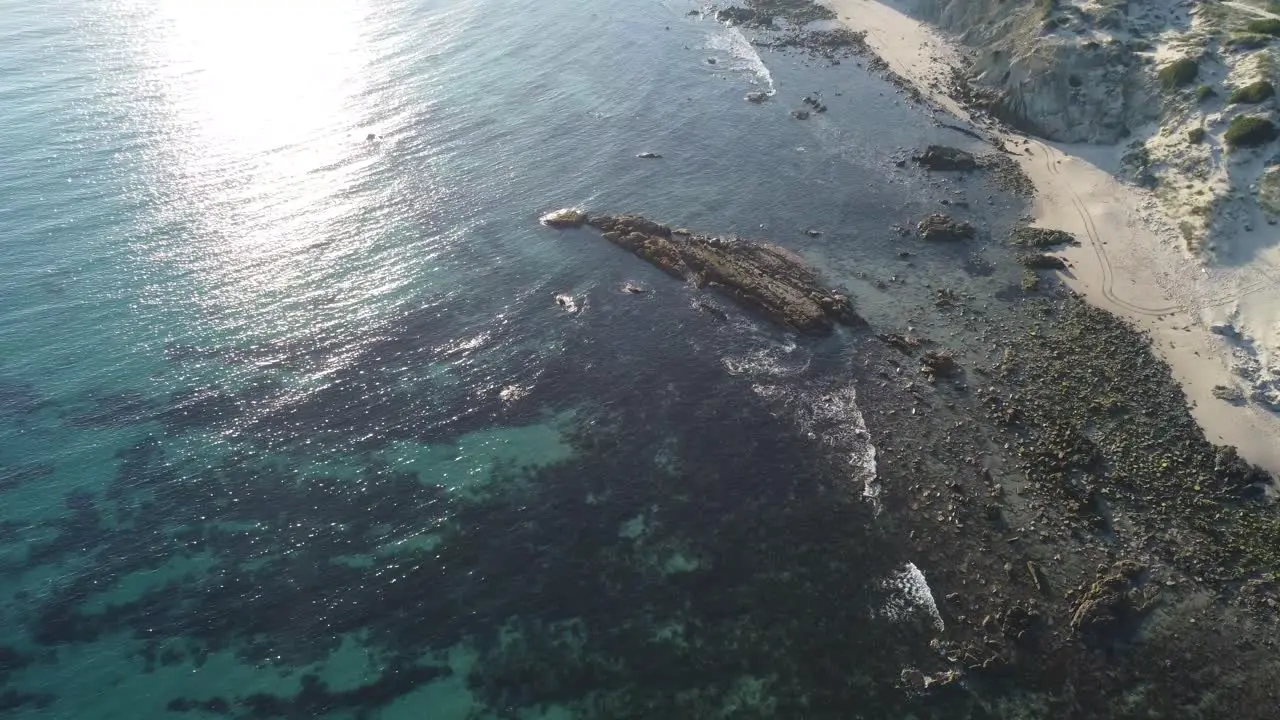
(754, 559)
(111, 410)
(14, 477)
(19, 399)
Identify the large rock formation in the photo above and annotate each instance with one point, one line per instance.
(1056, 70)
(760, 276)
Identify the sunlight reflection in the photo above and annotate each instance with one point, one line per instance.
(263, 75)
(258, 110)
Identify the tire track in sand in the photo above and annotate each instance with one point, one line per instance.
(1108, 271)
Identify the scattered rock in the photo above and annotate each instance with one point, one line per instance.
(940, 157)
(370, 137)
(944, 228)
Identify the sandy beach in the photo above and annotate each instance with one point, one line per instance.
(1211, 323)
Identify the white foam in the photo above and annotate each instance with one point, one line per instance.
(833, 419)
(730, 40)
(777, 360)
(911, 597)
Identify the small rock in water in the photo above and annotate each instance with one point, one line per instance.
(813, 233)
(800, 114)
(757, 96)
(569, 303)
(940, 157)
(370, 137)
(634, 289)
(711, 61)
(939, 227)
(714, 311)
(649, 155)
(564, 218)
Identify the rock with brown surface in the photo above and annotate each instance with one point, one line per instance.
(760, 276)
(944, 228)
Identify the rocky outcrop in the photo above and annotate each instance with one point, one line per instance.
(760, 276)
(940, 157)
(1035, 237)
(944, 228)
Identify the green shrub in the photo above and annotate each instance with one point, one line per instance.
(1195, 135)
(1248, 41)
(1204, 92)
(1250, 131)
(1179, 73)
(1264, 26)
(1254, 92)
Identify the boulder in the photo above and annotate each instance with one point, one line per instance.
(1043, 261)
(944, 228)
(940, 157)
(564, 218)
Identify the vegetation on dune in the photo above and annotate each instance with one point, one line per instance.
(1250, 131)
(1195, 135)
(1204, 92)
(1179, 73)
(1254, 92)
(1248, 41)
(1264, 26)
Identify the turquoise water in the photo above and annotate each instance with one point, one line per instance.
(291, 425)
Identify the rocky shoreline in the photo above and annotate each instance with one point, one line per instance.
(1082, 537)
(1090, 552)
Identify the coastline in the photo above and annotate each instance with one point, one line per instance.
(1146, 277)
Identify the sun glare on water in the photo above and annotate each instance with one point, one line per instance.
(256, 115)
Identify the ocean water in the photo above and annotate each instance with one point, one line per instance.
(291, 424)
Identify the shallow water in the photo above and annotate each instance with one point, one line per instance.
(290, 418)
